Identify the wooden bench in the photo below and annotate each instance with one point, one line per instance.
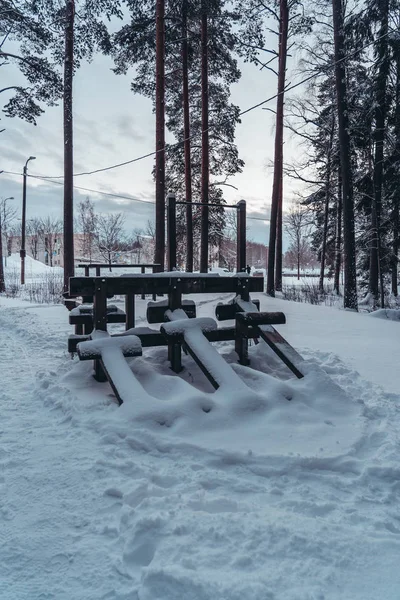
(82, 317)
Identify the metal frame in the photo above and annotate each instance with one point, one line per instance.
(171, 229)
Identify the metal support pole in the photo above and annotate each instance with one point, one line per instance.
(171, 231)
(22, 252)
(241, 237)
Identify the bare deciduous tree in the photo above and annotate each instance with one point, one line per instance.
(110, 235)
(87, 225)
(51, 229)
(34, 235)
(7, 216)
(298, 228)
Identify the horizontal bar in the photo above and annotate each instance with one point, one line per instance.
(155, 338)
(117, 266)
(210, 204)
(163, 283)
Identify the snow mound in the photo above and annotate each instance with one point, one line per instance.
(392, 314)
(32, 266)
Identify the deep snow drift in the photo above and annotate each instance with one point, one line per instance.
(284, 489)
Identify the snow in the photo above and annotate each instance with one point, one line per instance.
(386, 313)
(127, 345)
(284, 489)
(180, 323)
(33, 268)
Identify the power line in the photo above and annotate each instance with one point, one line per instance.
(244, 112)
(111, 194)
(76, 187)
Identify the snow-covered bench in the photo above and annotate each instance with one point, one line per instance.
(82, 317)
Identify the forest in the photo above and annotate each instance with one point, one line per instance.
(337, 73)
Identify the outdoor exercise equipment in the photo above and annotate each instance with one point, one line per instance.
(180, 326)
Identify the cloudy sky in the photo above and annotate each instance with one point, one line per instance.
(112, 125)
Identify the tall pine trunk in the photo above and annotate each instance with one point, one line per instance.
(326, 208)
(274, 253)
(186, 135)
(204, 141)
(279, 241)
(376, 272)
(159, 255)
(338, 244)
(2, 282)
(396, 192)
(349, 247)
(68, 242)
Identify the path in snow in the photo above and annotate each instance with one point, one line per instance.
(97, 507)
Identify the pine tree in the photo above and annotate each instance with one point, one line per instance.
(22, 22)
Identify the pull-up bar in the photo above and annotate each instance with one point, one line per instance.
(241, 230)
(207, 204)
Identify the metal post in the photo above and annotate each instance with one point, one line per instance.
(241, 237)
(143, 271)
(171, 231)
(22, 252)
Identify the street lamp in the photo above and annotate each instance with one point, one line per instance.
(22, 252)
(4, 224)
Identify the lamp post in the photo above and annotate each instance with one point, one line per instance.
(22, 252)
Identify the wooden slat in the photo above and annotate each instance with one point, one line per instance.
(161, 284)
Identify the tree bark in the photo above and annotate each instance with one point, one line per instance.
(376, 273)
(68, 241)
(277, 189)
(204, 142)
(159, 254)
(396, 192)
(326, 209)
(186, 135)
(350, 281)
(279, 244)
(338, 249)
(2, 282)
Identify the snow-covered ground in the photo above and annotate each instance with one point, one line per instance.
(33, 268)
(284, 489)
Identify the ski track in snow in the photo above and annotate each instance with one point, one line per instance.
(92, 507)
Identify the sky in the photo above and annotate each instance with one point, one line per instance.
(113, 125)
